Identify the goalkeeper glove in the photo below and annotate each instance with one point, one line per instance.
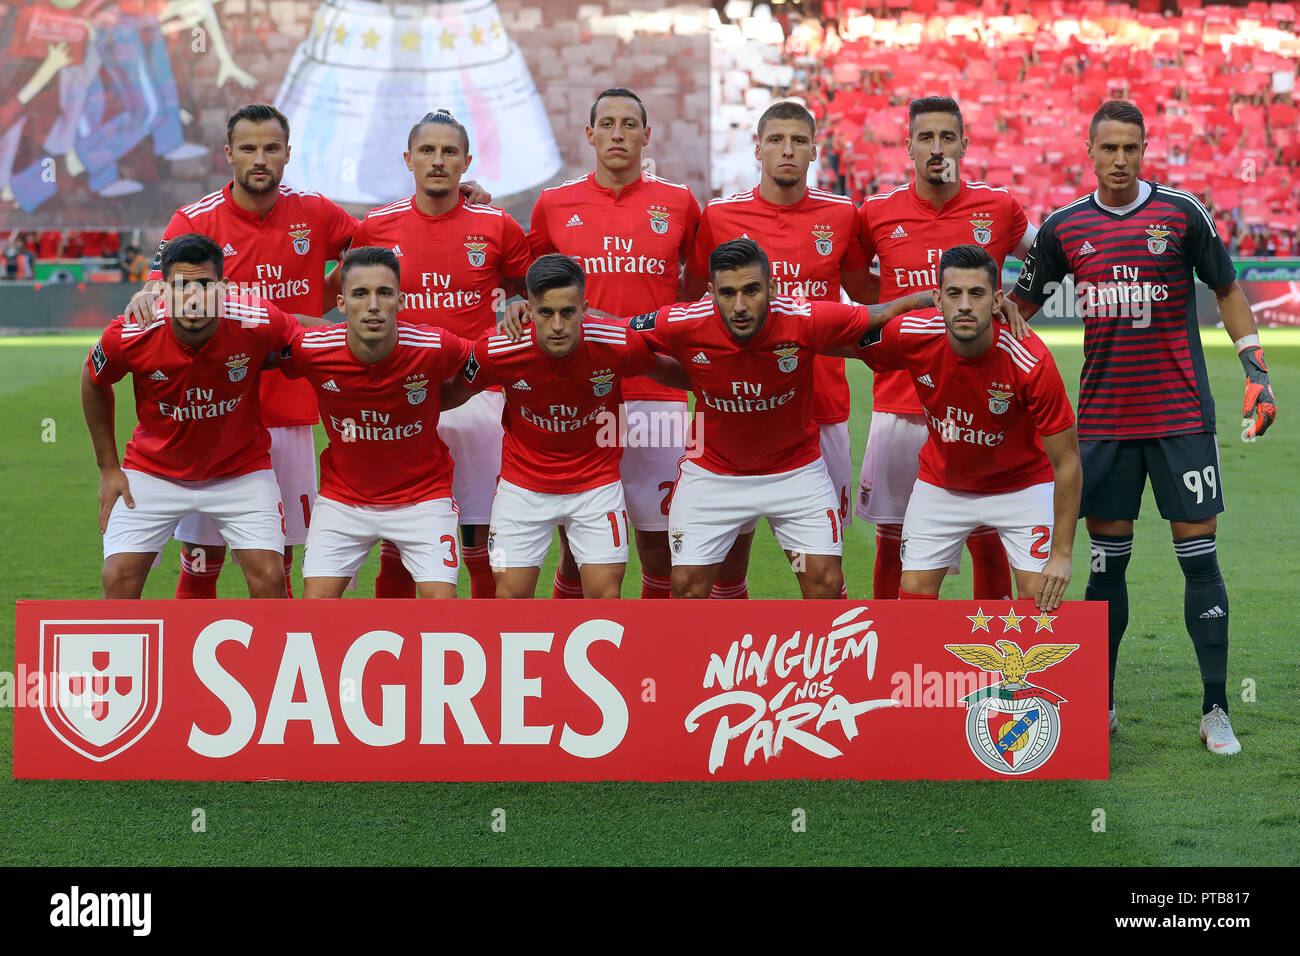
(1259, 404)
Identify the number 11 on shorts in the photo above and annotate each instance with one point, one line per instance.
(613, 526)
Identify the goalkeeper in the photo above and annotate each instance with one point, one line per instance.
(1134, 248)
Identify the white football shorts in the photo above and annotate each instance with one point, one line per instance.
(342, 535)
(839, 466)
(938, 522)
(889, 466)
(523, 523)
(709, 510)
(245, 510)
(473, 434)
(293, 460)
(655, 441)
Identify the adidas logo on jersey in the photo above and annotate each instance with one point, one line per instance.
(397, 251)
(1087, 249)
(522, 386)
(331, 387)
(574, 221)
(925, 380)
(701, 359)
(1213, 612)
(158, 376)
(229, 250)
(898, 233)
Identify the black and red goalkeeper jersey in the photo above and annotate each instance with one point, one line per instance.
(1143, 368)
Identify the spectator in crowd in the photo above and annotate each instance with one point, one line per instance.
(135, 267)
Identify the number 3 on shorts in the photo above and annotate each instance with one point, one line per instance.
(1192, 479)
(450, 541)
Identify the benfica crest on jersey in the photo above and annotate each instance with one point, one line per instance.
(658, 219)
(787, 358)
(415, 391)
(238, 366)
(602, 383)
(983, 234)
(999, 401)
(474, 252)
(823, 238)
(301, 240)
(1157, 244)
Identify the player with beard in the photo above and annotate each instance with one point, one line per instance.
(1002, 450)
(749, 358)
(276, 242)
(629, 231)
(200, 445)
(908, 228)
(811, 237)
(456, 258)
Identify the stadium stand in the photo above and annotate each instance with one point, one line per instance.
(1216, 83)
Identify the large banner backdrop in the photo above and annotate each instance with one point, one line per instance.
(549, 690)
(112, 114)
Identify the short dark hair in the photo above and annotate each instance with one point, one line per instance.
(736, 254)
(934, 104)
(970, 257)
(192, 248)
(1117, 111)
(787, 110)
(615, 92)
(442, 118)
(368, 256)
(256, 113)
(554, 271)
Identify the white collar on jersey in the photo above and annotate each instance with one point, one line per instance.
(1144, 193)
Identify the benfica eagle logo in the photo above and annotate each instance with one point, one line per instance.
(301, 240)
(475, 252)
(238, 366)
(981, 230)
(823, 241)
(416, 391)
(1157, 243)
(658, 219)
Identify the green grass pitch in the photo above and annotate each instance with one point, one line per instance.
(1169, 802)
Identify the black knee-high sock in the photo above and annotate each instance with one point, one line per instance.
(1205, 611)
(1110, 556)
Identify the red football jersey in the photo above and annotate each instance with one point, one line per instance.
(451, 264)
(280, 258)
(382, 419)
(630, 246)
(755, 398)
(909, 235)
(561, 415)
(809, 244)
(198, 409)
(985, 413)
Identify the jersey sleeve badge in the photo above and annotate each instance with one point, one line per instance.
(643, 322)
(471, 368)
(98, 358)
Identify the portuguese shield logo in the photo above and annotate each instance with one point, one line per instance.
(104, 681)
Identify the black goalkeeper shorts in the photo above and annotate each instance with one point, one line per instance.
(1184, 470)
